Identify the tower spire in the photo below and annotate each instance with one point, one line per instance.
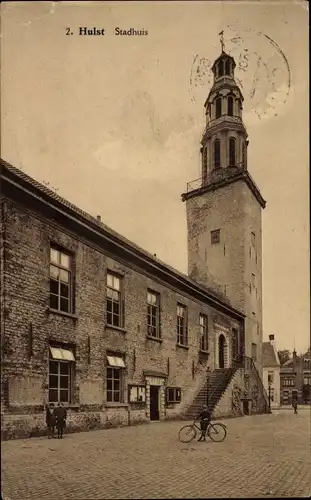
(222, 43)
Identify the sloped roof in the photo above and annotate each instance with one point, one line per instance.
(269, 357)
(155, 265)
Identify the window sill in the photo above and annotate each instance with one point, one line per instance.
(61, 313)
(202, 351)
(116, 405)
(117, 328)
(182, 346)
(157, 339)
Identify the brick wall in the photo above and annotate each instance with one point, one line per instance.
(235, 211)
(28, 321)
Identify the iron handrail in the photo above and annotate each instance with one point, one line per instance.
(246, 363)
(215, 390)
(264, 392)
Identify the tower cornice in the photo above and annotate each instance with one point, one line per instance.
(223, 83)
(228, 176)
(224, 124)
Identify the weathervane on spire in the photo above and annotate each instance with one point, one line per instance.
(222, 43)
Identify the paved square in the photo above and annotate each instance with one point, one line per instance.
(264, 455)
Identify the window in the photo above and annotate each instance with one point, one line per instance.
(215, 236)
(173, 395)
(114, 300)
(204, 332)
(218, 107)
(153, 314)
(115, 370)
(137, 394)
(243, 154)
(217, 153)
(285, 396)
(221, 68)
(182, 337)
(288, 382)
(230, 106)
(253, 280)
(270, 377)
(232, 159)
(254, 352)
(307, 380)
(204, 162)
(60, 374)
(60, 280)
(227, 67)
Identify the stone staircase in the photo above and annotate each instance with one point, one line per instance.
(211, 391)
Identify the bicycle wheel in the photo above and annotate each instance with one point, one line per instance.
(217, 432)
(187, 433)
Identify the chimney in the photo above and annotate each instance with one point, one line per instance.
(271, 340)
(98, 217)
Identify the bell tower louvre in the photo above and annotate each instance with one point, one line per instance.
(224, 207)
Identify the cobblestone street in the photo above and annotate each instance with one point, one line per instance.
(265, 455)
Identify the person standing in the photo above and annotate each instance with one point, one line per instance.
(61, 416)
(205, 418)
(295, 406)
(50, 419)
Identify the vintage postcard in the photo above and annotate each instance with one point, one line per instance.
(155, 292)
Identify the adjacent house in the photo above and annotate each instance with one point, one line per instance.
(271, 371)
(296, 380)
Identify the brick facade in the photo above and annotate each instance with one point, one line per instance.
(33, 218)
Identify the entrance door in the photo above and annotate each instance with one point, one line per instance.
(154, 403)
(221, 350)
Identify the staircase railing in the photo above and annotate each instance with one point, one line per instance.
(250, 365)
(221, 379)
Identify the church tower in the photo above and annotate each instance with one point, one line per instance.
(224, 208)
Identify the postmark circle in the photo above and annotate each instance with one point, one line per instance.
(262, 72)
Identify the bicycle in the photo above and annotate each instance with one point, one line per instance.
(217, 432)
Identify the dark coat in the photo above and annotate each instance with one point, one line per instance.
(205, 415)
(61, 415)
(50, 417)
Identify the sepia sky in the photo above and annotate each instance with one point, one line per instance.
(115, 122)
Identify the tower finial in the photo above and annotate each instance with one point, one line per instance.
(222, 43)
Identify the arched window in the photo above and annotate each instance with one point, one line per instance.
(217, 153)
(218, 107)
(227, 70)
(243, 154)
(204, 162)
(230, 105)
(232, 159)
(221, 68)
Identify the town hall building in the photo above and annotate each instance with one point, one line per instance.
(91, 320)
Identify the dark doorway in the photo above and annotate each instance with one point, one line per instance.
(154, 403)
(221, 350)
(246, 407)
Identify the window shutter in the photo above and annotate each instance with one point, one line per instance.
(178, 395)
(122, 311)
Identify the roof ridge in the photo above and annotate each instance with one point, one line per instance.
(56, 197)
